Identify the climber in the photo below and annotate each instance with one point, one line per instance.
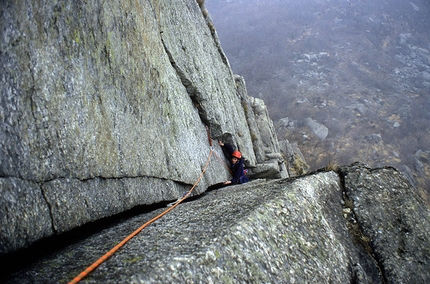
(237, 170)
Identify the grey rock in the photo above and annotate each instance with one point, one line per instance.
(283, 122)
(104, 106)
(403, 38)
(267, 141)
(394, 218)
(282, 231)
(374, 138)
(274, 156)
(267, 130)
(266, 170)
(24, 214)
(359, 276)
(296, 162)
(409, 176)
(419, 166)
(358, 107)
(404, 112)
(74, 203)
(254, 127)
(318, 129)
(423, 156)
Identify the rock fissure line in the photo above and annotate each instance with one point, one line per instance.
(49, 205)
(40, 183)
(189, 86)
(51, 216)
(129, 177)
(153, 11)
(356, 230)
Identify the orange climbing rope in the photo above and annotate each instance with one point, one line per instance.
(209, 135)
(224, 164)
(93, 266)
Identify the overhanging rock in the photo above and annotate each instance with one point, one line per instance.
(104, 107)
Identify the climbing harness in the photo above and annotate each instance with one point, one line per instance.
(102, 259)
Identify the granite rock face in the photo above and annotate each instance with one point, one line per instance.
(395, 220)
(302, 230)
(104, 106)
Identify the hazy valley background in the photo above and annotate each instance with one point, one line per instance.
(347, 80)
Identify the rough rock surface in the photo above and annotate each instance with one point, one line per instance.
(394, 218)
(284, 231)
(296, 163)
(103, 108)
(317, 128)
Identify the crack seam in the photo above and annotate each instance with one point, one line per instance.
(349, 203)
